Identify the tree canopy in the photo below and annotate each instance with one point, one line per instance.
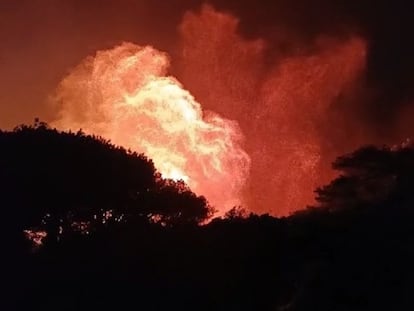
(371, 176)
(62, 181)
(353, 251)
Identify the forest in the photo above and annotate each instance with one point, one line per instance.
(92, 226)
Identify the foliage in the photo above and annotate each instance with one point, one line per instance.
(371, 176)
(60, 181)
(354, 251)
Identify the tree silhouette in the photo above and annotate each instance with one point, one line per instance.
(371, 176)
(62, 182)
(351, 252)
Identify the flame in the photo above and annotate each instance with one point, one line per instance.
(297, 109)
(126, 95)
(286, 104)
(36, 236)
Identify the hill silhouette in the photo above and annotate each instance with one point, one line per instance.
(352, 251)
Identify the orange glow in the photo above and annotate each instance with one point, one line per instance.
(295, 110)
(35, 236)
(297, 97)
(285, 104)
(126, 95)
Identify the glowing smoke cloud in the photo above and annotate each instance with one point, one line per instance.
(125, 95)
(286, 106)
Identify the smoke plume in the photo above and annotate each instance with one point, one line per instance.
(283, 107)
(126, 95)
(303, 81)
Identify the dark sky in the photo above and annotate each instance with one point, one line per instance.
(387, 25)
(42, 39)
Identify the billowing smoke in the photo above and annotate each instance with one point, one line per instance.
(126, 95)
(283, 107)
(305, 80)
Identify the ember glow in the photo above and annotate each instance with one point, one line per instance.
(126, 95)
(35, 236)
(295, 109)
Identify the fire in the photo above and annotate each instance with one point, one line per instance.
(295, 108)
(36, 236)
(126, 95)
